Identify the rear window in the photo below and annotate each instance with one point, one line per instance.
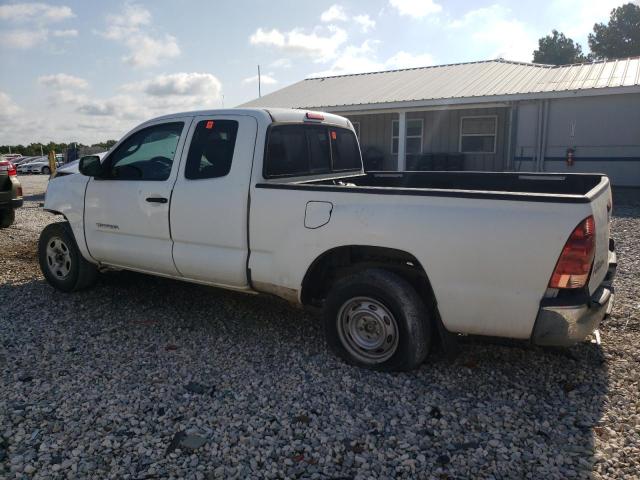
(294, 150)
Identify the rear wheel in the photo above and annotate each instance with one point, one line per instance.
(7, 217)
(61, 262)
(375, 319)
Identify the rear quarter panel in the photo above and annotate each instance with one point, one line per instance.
(489, 261)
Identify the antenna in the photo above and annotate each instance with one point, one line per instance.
(259, 83)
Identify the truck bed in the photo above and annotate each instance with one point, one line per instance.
(546, 187)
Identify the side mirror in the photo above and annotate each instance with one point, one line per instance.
(90, 166)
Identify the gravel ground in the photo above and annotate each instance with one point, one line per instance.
(149, 378)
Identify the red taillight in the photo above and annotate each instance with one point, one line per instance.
(7, 166)
(314, 116)
(574, 264)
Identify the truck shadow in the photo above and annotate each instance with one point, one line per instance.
(502, 406)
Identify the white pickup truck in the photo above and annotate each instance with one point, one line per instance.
(276, 201)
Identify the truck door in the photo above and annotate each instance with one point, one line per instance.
(127, 211)
(210, 201)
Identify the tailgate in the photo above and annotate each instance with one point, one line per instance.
(600, 205)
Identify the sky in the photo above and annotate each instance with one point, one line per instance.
(88, 71)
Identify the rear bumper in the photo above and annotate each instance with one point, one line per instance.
(566, 321)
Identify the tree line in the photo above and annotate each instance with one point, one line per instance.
(619, 38)
(34, 149)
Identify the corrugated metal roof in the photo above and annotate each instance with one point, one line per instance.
(486, 79)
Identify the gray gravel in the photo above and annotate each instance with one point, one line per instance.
(149, 378)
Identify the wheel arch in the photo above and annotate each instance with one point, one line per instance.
(337, 262)
(56, 212)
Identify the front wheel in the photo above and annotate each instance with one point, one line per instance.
(61, 262)
(46, 170)
(375, 319)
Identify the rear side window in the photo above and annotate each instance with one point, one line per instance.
(310, 149)
(344, 150)
(211, 150)
(287, 152)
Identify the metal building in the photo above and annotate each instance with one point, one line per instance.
(489, 115)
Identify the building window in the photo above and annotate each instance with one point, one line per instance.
(413, 143)
(356, 127)
(478, 134)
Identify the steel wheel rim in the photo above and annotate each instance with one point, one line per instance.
(368, 330)
(58, 258)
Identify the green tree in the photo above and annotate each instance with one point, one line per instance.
(556, 49)
(105, 145)
(620, 37)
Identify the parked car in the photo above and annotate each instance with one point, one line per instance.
(22, 160)
(39, 166)
(21, 164)
(24, 166)
(11, 157)
(276, 201)
(72, 167)
(10, 193)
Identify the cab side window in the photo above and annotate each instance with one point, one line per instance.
(147, 154)
(211, 150)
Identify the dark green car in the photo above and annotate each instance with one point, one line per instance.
(10, 193)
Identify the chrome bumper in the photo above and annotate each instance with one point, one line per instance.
(566, 321)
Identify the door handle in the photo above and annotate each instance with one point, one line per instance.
(157, 200)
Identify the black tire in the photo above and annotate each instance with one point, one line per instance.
(7, 217)
(80, 273)
(389, 293)
(46, 171)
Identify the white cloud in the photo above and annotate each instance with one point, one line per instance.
(156, 96)
(365, 22)
(354, 59)
(39, 16)
(363, 58)
(180, 84)
(7, 106)
(146, 51)
(335, 13)
(62, 81)
(416, 8)
(23, 39)
(63, 90)
(494, 28)
(131, 28)
(117, 108)
(321, 44)
(30, 12)
(129, 22)
(264, 80)
(65, 33)
(81, 116)
(271, 38)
